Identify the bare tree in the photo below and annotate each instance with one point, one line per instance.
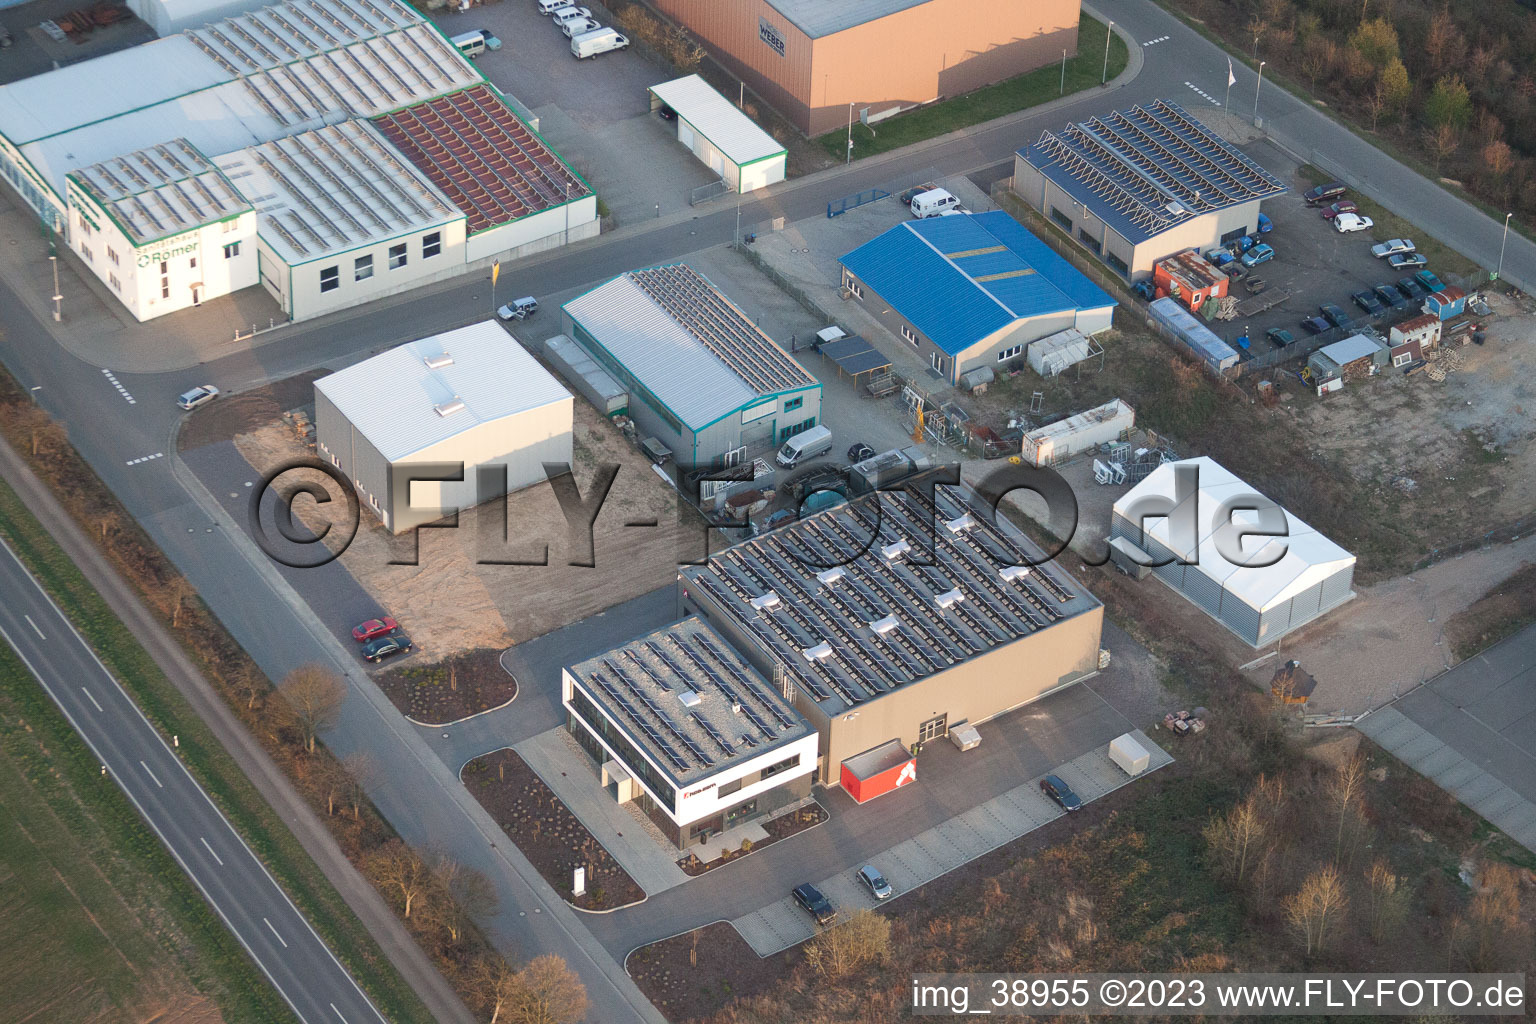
(546, 991)
(1318, 55)
(399, 869)
(1498, 929)
(1386, 900)
(1376, 102)
(1234, 837)
(1443, 142)
(313, 694)
(862, 939)
(1314, 907)
(361, 770)
(495, 981)
(1344, 790)
(1499, 159)
(470, 895)
(252, 685)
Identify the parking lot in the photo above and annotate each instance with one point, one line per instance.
(596, 113)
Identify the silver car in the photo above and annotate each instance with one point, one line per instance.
(875, 882)
(200, 395)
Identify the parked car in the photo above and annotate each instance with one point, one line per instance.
(1390, 295)
(1334, 315)
(604, 40)
(1393, 246)
(1411, 289)
(815, 904)
(666, 113)
(519, 309)
(1324, 193)
(1346, 222)
(1265, 225)
(1280, 337)
(386, 647)
(576, 26)
(1059, 791)
(1344, 206)
(200, 395)
(491, 42)
(1428, 279)
(1314, 325)
(1260, 253)
(1368, 301)
(875, 882)
(1406, 260)
(1146, 289)
(374, 628)
(570, 13)
(859, 452)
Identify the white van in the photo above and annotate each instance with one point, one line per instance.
(551, 6)
(590, 44)
(933, 202)
(805, 446)
(470, 44)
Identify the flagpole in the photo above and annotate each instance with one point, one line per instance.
(1227, 105)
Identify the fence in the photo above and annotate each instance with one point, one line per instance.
(838, 207)
(704, 193)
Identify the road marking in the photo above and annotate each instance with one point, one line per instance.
(112, 379)
(338, 1013)
(210, 850)
(278, 937)
(1159, 39)
(1213, 101)
(152, 775)
(146, 458)
(91, 699)
(39, 632)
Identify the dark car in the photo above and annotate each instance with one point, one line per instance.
(815, 904)
(374, 628)
(386, 646)
(666, 113)
(1412, 289)
(1314, 325)
(1428, 279)
(1334, 315)
(1345, 206)
(859, 452)
(1368, 301)
(1280, 337)
(1324, 193)
(1390, 295)
(1053, 787)
(1406, 260)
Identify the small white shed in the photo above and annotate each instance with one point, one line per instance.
(720, 135)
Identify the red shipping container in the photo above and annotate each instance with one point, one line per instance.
(875, 772)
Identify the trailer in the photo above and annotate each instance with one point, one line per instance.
(1264, 299)
(1130, 755)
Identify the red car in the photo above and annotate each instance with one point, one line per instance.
(374, 628)
(1343, 206)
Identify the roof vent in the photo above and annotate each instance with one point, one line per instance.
(768, 600)
(960, 524)
(735, 707)
(817, 653)
(448, 408)
(689, 699)
(896, 550)
(950, 598)
(439, 361)
(885, 625)
(1014, 572)
(827, 577)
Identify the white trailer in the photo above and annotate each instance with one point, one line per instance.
(1057, 442)
(1131, 756)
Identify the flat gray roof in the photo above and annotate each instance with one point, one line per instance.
(675, 692)
(845, 599)
(823, 17)
(163, 190)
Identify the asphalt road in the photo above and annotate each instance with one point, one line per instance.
(255, 909)
(421, 799)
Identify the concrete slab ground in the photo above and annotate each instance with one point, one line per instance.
(571, 778)
(1469, 731)
(944, 847)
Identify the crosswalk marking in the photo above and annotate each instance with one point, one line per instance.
(1159, 39)
(112, 379)
(1213, 101)
(146, 458)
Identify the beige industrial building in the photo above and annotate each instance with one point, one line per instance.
(814, 60)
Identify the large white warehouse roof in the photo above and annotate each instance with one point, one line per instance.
(1301, 559)
(414, 396)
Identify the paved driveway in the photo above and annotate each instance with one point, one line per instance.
(1470, 731)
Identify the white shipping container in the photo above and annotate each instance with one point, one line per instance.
(1059, 441)
(1131, 756)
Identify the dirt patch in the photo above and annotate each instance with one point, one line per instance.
(248, 410)
(454, 688)
(457, 598)
(547, 833)
(1501, 613)
(691, 976)
(782, 827)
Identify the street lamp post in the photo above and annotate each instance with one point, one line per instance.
(1502, 243)
(849, 158)
(1256, 89)
(58, 314)
(1063, 72)
(1104, 80)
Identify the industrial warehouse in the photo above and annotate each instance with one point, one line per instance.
(472, 399)
(703, 381)
(1287, 581)
(1137, 185)
(332, 151)
(880, 643)
(971, 290)
(818, 61)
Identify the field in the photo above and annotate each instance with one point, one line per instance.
(100, 923)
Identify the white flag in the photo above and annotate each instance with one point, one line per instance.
(1231, 78)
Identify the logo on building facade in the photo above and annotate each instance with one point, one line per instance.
(770, 35)
(908, 774)
(149, 256)
(695, 792)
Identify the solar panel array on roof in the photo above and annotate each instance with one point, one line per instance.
(881, 618)
(162, 190)
(483, 157)
(1147, 169)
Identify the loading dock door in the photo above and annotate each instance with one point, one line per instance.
(685, 133)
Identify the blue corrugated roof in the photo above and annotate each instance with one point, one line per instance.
(1147, 169)
(959, 278)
